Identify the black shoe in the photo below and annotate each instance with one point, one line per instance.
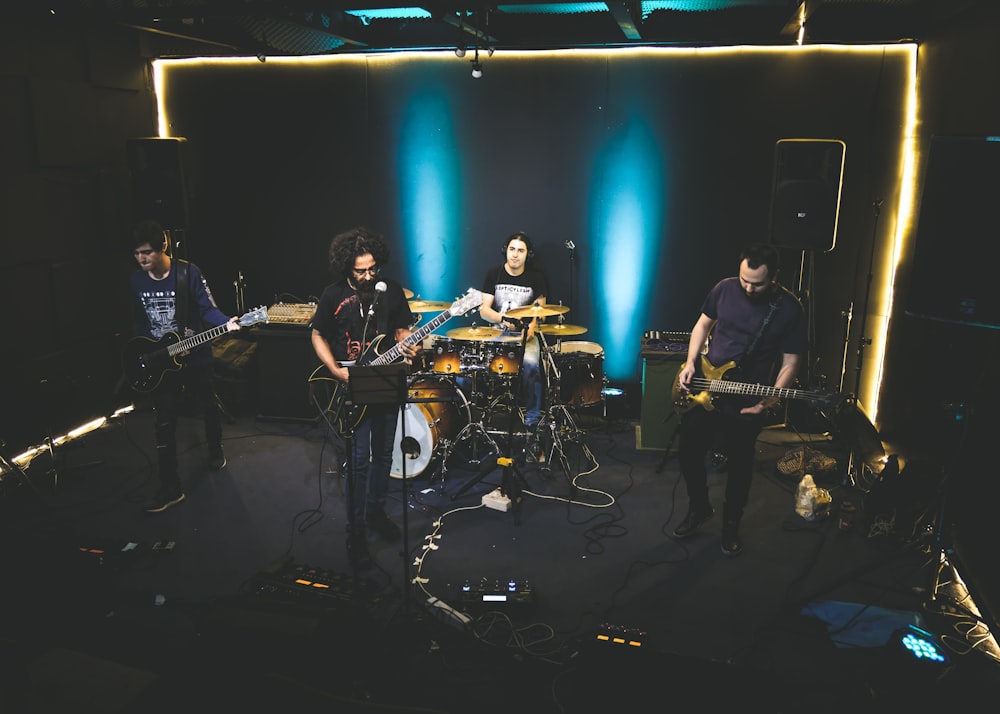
(216, 457)
(162, 502)
(692, 522)
(380, 523)
(731, 544)
(357, 551)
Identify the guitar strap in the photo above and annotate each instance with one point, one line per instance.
(182, 296)
(763, 325)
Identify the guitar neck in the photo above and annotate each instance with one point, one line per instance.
(396, 351)
(722, 386)
(197, 340)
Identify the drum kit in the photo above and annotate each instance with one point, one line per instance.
(462, 392)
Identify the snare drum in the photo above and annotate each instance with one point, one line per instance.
(581, 369)
(439, 411)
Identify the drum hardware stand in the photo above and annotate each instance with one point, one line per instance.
(511, 481)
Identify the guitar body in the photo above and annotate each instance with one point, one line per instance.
(330, 394)
(146, 361)
(685, 401)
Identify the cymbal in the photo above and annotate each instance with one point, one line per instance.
(561, 329)
(475, 332)
(428, 306)
(531, 311)
(407, 293)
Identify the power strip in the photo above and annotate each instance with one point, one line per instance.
(447, 614)
(497, 501)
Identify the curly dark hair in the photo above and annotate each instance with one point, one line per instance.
(347, 246)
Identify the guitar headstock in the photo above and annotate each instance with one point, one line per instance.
(471, 300)
(254, 316)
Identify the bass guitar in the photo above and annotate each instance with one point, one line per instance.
(330, 394)
(711, 381)
(145, 360)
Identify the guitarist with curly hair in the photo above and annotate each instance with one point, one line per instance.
(359, 315)
(756, 333)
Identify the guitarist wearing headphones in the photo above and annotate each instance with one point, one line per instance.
(359, 314)
(758, 328)
(171, 297)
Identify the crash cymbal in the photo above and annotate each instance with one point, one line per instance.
(428, 306)
(561, 329)
(522, 313)
(407, 293)
(476, 332)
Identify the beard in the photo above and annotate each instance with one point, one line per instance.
(366, 290)
(760, 298)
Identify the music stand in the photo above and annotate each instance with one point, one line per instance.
(372, 386)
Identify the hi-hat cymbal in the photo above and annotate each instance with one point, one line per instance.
(407, 293)
(428, 305)
(561, 329)
(476, 332)
(522, 313)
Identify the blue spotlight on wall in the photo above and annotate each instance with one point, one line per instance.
(430, 196)
(626, 228)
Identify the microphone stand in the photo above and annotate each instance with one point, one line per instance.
(572, 257)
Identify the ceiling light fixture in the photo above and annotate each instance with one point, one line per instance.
(460, 51)
(477, 68)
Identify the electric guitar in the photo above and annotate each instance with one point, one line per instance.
(329, 394)
(145, 360)
(712, 380)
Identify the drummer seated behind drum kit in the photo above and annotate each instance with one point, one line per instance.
(465, 387)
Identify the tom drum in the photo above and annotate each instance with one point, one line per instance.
(436, 410)
(581, 370)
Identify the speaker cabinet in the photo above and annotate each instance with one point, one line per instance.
(657, 418)
(159, 182)
(952, 276)
(285, 359)
(808, 175)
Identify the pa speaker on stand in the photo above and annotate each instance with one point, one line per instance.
(805, 205)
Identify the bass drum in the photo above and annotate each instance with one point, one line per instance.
(581, 368)
(436, 410)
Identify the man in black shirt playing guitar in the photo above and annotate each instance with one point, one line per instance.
(359, 316)
(758, 334)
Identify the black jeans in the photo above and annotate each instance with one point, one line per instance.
(194, 382)
(736, 438)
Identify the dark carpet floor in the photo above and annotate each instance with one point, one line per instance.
(577, 599)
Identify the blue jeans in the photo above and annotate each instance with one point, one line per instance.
(531, 381)
(370, 462)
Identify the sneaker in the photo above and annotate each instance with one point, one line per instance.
(731, 544)
(692, 522)
(357, 551)
(381, 524)
(216, 458)
(162, 502)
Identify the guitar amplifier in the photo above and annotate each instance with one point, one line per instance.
(662, 344)
(663, 354)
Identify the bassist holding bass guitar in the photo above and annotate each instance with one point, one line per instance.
(357, 311)
(759, 327)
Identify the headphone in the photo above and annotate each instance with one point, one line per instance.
(521, 237)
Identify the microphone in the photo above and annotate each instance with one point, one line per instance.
(570, 244)
(380, 288)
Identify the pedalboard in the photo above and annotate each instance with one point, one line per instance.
(496, 593)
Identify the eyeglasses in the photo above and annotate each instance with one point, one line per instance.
(371, 271)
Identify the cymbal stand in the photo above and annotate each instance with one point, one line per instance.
(556, 419)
